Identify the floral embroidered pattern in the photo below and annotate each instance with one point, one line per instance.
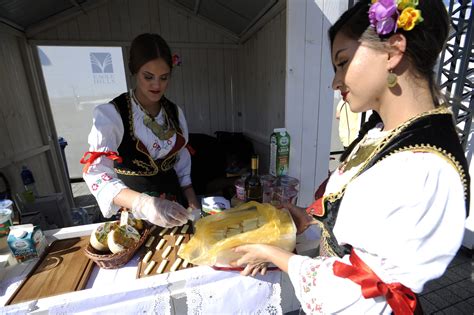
(309, 281)
(103, 178)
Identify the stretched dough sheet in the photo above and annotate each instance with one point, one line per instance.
(213, 242)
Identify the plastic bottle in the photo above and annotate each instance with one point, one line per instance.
(28, 180)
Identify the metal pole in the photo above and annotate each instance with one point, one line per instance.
(455, 74)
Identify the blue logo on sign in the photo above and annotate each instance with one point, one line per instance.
(101, 63)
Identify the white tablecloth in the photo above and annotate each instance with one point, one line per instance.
(198, 290)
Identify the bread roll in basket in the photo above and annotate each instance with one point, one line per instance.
(108, 260)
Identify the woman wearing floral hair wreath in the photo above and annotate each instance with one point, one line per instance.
(393, 213)
(138, 157)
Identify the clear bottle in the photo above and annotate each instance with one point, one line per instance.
(253, 184)
(28, 180)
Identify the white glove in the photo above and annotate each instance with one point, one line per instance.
(158, 211)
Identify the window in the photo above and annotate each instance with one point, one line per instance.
(78, 79)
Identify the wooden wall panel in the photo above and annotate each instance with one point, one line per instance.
(261, 72)
(139, 13)
(17, 106)
(309, 96)
(104, 22)
(217, 108)
(122, 20)
(20, 135)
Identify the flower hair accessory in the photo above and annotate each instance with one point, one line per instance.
(176, 59)
(386, 16)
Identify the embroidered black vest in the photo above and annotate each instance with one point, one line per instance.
(432, 132)
(138, 170)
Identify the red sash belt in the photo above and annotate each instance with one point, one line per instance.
(400, 298)
(95, 155)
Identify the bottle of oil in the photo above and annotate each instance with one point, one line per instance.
(253, 185)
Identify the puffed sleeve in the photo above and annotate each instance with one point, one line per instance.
(321, 292)
(404, 217)
(105, 135)
(407, 215)
(183, 164)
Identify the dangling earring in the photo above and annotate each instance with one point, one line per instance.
(391, 79)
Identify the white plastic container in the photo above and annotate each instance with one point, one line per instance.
(279, 152)
(6, 204)
(213, 205)
(5, 221)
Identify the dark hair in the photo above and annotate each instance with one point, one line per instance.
(424, 42)
(146, 47)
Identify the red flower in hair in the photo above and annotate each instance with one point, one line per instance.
(176, 60)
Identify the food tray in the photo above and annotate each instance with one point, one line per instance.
(62, 268)
(170, 240)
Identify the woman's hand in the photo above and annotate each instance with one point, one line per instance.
(158, 211)
(300, 217)
(257, 256)
(254, 259)
(254, 269)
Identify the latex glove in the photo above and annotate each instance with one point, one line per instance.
(159, 211)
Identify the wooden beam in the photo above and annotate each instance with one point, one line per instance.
(62, 17)
(212, 24)
(268, 13)
(12, 24)
(76, 4)
(53, 42)
(9, 160)
(197, 4)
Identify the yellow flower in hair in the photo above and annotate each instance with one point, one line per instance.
(402, 4)
(409, 18)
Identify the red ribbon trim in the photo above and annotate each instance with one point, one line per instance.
(316, 208)
(222, 268)
(95, 155)
(191, 150)
(401, 299)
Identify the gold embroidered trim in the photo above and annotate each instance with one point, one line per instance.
(437, 111)
(152, 168)
(324, 243)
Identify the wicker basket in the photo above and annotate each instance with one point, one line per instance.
(113, 261)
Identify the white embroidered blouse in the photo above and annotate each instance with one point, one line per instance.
(404, 217)
(106, 135)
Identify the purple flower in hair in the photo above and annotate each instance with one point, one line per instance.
(383, 16)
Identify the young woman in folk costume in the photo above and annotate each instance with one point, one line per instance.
(138, 157)
(393, 213)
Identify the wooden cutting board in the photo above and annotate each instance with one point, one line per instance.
(63, 268)
(157, 254)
